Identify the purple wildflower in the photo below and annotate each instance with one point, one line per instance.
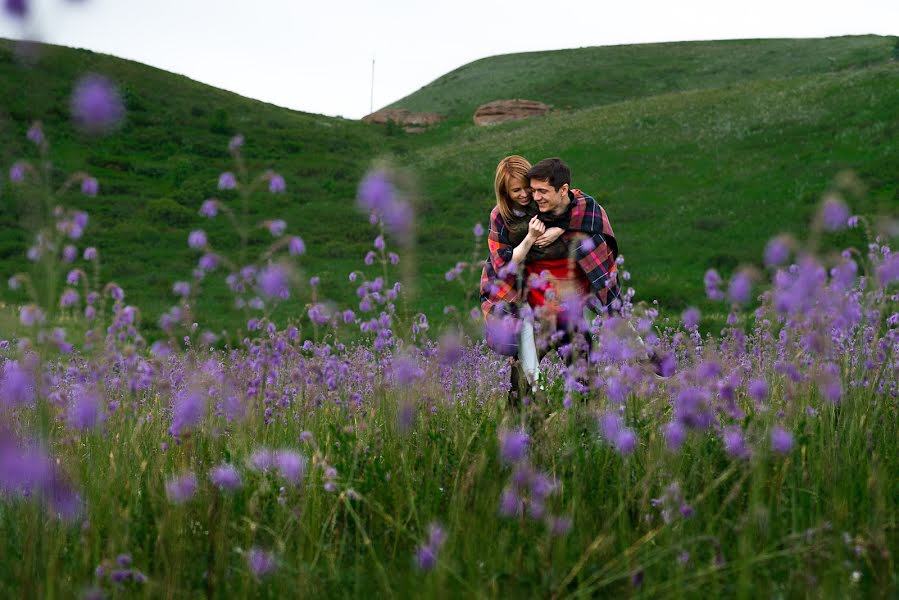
(225, 477)
(69, 253)
(85, 409)
(276, 184)
(209, 208)
(740, 288)
(182, 488)
(197, 239)
(274, 281)
(235, 143)
(90, 253)
(758, 389)
(478, 230)
(291, 465)
(426, 554)
(734, 444)
(712, 285)
(834, 213)
(513, 446)
(90, 186)
(781, 440)
(691, 318)
(296, 246)
(17, 172)
(261, 562)
(181, 288)
(16, 384)
(16, 8)
(96, 105)
(276, 227)
(35, 134)
(227, 181)
(188, 409)
(675, 435)
(777, 251)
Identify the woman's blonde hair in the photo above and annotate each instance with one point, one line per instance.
(509, 168)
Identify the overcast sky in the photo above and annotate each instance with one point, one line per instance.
(317, 56)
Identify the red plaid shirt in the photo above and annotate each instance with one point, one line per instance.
(596, 251)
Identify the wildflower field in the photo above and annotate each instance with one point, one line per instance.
(353, 449)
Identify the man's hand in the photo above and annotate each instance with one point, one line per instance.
(549, 236)
(536, 228)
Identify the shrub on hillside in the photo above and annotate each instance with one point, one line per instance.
(165, 211)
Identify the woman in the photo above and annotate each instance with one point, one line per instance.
(516, 235)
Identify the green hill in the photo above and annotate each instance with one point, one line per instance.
(699, 151)
(584, 77)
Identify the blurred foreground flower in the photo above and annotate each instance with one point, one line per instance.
(97, 105)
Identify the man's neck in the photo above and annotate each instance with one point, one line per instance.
(563, 206)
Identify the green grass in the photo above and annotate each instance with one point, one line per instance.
(699, 151)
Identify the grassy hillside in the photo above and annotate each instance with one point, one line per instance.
(699, 151)
(695, 179)
(156, 171)
(584, 77)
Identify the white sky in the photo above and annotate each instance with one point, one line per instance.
(316, 56)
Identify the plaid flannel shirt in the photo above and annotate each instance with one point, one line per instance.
(595, 258)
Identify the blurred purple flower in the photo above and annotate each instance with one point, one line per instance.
(691, 318)
(261, 562)
(276, 227)
(712, 285)
(68, 298)
(181, 488)
(96, 105)
(834, 213)
(296, 246)
(291, 465)
(375, 192)
(276, 184)
(758, 389)
(781, 440)
(888, 270)
(181, 288)
(740, 288)
(478, 230)
(734, 444)
(225, 477)
(513, 446)
(16, 8)
(69, 253)
(197, 239)
(90, 253)
(675, 435)
(188, 409)
(208, 262)
(16, 385)
(777, 251)
(426, 554)
(35, 134)
(274, 281)
(30, 315)
(227, 181)
(85, 410)
(17, 172)
(235, 143)
(209, 208)
(90, 186)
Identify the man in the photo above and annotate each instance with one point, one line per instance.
(557, 289)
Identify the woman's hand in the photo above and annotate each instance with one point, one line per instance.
(549, 236)
(536, 228)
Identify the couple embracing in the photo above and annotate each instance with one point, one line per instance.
(552, 255)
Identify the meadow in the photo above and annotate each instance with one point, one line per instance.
(352, 439)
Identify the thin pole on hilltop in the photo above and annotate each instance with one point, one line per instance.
(371, 103)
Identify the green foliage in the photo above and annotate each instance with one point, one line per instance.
(168, 213)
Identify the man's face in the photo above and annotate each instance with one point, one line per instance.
(548, 199)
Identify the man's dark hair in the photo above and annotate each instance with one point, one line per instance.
(552, 170)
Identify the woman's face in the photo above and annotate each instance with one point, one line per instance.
(518, 191)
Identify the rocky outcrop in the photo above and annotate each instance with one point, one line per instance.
(411, 122)
(500, 111)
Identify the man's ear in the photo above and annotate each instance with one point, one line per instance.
(564, 189)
